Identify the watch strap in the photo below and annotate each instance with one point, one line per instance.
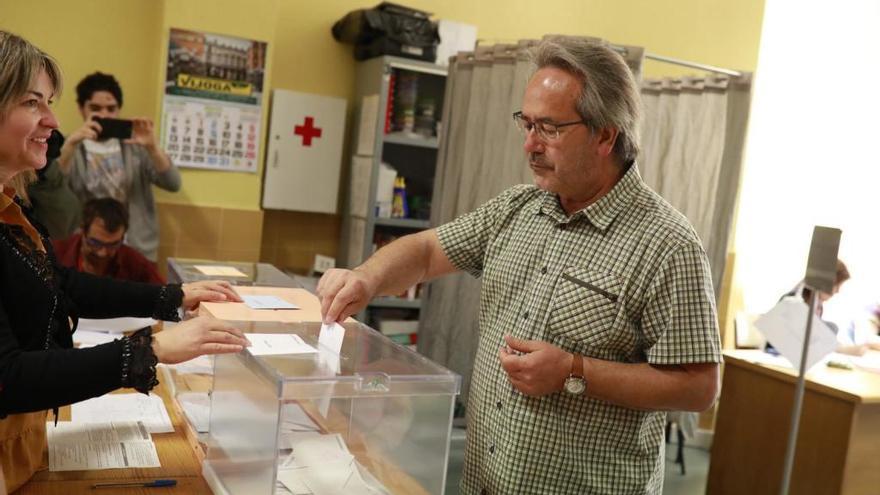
(577, 365)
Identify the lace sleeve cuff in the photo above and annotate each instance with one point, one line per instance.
(139, 361)
(169, 301)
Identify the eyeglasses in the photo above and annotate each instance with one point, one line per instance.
(96, 244)
(546, 131)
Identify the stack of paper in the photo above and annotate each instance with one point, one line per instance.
(761, 357)
(294, 418)
(219, 271)
(113, 325)
(148, 409)
(202, 365)
(869, 362)
(296, 426)
(88, 338)
(309, 306)
(322, 465)
(78, 446)
(267, 302)
(196, 407)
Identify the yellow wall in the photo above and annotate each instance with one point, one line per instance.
(717, 32)
(119, 37)
(127, 38)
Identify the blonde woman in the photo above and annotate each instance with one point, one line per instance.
(41, 301)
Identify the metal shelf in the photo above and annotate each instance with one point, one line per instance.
(405, 223)
(415, 65)
(408, 140)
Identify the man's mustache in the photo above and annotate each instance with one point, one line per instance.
(539, 160)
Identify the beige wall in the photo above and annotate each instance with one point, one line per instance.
(128, 38)
(209, 232)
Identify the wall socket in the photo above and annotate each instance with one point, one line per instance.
(323, 263)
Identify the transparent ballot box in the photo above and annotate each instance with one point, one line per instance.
(191, 382)
(183, 270)
(374, 418)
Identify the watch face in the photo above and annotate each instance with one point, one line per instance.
(575, 385)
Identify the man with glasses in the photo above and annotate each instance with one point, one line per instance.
(99, 249)
(597, 313)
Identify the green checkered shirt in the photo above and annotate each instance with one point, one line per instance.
(625, 279)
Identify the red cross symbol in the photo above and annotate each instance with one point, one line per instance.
(307, 131)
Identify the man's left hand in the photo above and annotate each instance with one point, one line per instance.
(207, 291)
(535, 367)
(142, 133)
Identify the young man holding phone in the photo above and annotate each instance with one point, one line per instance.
(110, 161)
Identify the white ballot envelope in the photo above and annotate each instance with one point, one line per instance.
(784, 327)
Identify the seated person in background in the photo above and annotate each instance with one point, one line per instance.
(125, 169)
(840, 276)
(53, 204)
(860, 333)
(99, 249)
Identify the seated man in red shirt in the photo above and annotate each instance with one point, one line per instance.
(99, 249)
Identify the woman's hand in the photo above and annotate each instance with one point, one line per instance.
(207, 291)
(193, 338)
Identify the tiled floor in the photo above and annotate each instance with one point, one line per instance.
(697, 468)
(691, 483)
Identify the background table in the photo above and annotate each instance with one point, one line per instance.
(838, 448)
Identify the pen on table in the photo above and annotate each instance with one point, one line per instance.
(143, 484)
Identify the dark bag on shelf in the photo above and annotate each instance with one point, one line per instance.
(389, 29)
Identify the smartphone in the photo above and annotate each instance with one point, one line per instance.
(55, 142)
(114, 128)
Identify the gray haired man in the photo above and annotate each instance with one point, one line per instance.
(596, 310)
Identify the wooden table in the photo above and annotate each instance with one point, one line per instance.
(181, 452)
(838, 449)
(175, 454)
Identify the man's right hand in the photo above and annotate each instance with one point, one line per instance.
(344, 293)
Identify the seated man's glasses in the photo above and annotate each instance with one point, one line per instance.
(546, 131)
(96, 244)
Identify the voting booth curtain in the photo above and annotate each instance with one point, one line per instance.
(692, 137)
(480, 155)
(693, 134)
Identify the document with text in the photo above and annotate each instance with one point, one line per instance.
(148, 409)
(83, 446)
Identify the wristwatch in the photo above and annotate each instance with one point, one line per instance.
(576, 384)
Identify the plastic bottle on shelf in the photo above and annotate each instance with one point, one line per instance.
(385, 190)
(424, 125)
(399, 208)
(405, 93)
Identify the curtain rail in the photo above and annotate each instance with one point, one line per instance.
(693, 65)
(658, 58)
(686, 63)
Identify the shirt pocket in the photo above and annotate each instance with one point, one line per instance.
(585, 307)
